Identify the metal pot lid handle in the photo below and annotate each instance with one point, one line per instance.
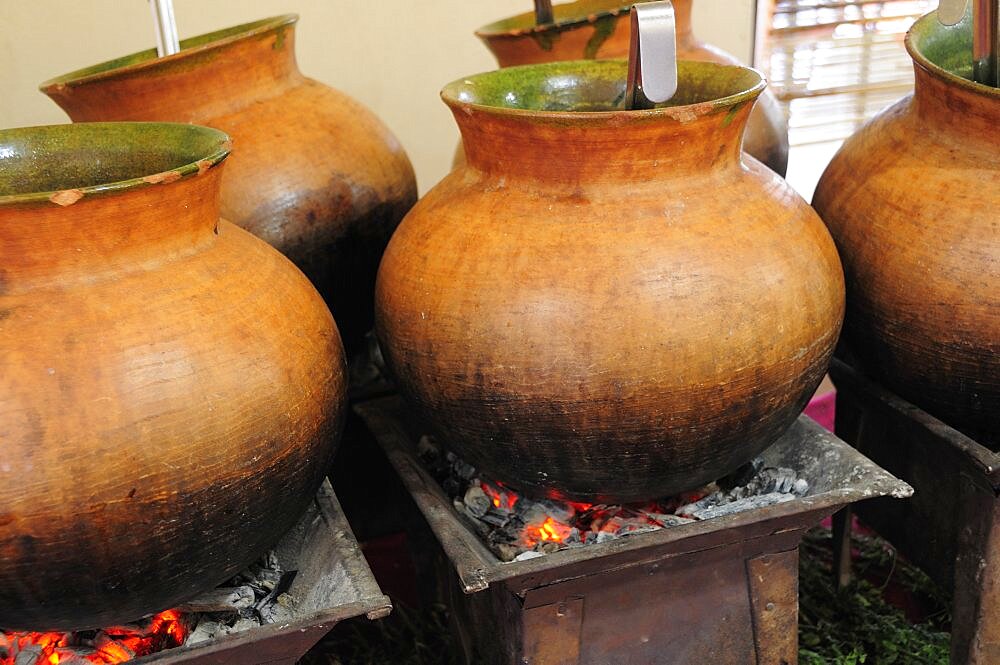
(652, 61)
(951, 12)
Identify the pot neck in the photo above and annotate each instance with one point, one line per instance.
(572, 150)
(955, 105)
(52, 245)
(212, 75)
(682, 24)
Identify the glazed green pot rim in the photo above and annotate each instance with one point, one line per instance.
(451, 94)
(219, 142)
(913, 36)
(190, 47)
(524, 24)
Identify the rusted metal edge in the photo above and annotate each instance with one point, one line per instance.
(471, 558)
(477, 567)
(979, 456)
(368, 599)
(372, 602)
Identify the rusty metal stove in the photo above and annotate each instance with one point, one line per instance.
(333, 583)
(717, 591)
(951, 526)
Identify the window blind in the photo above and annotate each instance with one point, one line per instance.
(835, 63)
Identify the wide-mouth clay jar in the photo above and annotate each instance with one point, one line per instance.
(589, 29)
(313, 172)
(912, 201)
(602, 304)
(172, 387)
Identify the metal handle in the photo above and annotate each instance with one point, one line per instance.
(543, 12)
(165, 25)
(951, 12)
(986, 42)
(652, 60)
(985, 35)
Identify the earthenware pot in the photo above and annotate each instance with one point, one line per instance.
(314, 173)
(172, 387)
(912, 201)
(600, 29)
(606, 304)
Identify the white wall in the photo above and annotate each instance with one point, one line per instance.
(393, 55)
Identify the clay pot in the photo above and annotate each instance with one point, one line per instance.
(600, 29)
(608, 305)
(315, 173)
(912, 202)
(172, 387)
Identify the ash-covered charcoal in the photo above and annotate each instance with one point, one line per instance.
(477, 504)
(221, 600)
(744, 504)
(772, 479)
(207, 629)
(668, 520)
(517, 528)
(495, 517)
(460, 468)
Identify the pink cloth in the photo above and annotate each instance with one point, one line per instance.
(822, 409)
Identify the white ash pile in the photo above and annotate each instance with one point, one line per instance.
(515, 527)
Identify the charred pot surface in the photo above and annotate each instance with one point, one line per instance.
(271, 612)
(518, 528)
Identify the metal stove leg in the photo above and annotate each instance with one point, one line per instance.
(975, 636)
(773, 581)
(842, 546)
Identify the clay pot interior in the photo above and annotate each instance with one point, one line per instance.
(595, 86)
(189, 47)
(564, 15)
(943, 49)
(95, 158)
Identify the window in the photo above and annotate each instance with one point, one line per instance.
(834, 64)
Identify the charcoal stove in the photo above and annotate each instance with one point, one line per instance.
(951, 526)
(723, 590)
(332, 582)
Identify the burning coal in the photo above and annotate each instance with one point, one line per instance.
(255, 597)
(517, 528)
(118, 644)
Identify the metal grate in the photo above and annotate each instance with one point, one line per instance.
(834, 64)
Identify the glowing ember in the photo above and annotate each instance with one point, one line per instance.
(113, 645)
(552, 531)
(517, 528)
(500, 495)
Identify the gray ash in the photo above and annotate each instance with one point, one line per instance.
(516, 527)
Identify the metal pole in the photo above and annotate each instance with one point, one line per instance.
(986, 42)
(543, 12)
(166, 27)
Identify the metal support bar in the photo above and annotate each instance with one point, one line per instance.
(165, 25)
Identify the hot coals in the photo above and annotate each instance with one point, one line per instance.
(516, 527)
(255, 597)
